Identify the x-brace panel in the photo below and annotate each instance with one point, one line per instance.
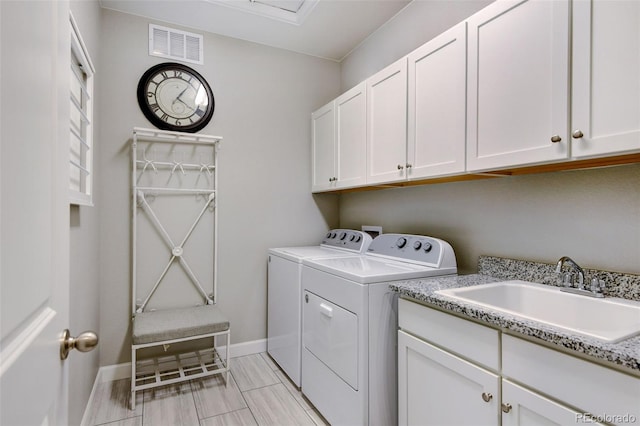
(177, 251)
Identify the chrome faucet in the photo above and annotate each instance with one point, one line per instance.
(575, 266)
(597, 285)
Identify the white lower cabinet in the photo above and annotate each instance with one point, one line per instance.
(442, 381)
(522, 407)
(457, 391)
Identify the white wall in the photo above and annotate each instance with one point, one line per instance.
(591, 215)
(416, 24)
(84, 227)
(264, 98)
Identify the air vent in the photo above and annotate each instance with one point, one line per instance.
(175, 44)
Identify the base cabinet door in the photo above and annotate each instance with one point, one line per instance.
(438, 388)
(521, 407)
(605, 78)
(518, 84)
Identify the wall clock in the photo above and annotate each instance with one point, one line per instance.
(175, 97)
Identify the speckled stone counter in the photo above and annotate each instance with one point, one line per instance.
(625, 354)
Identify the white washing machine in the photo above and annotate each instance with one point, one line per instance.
(284, 292)
(349, 330)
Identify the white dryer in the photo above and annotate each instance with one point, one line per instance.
(284, 293)
(349, 331)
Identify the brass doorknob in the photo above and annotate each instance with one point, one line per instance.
(85, 342)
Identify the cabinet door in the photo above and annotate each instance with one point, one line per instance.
(437, 388)
(606, 77)
(387, 124)
(437, 105)
(323, 148)
(518, 84)
(522, 407)
(351, 137)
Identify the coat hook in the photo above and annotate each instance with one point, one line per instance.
(148, 162)
(177, 164)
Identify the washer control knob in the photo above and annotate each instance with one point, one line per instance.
(352, 237)
(417, 245)
(427, 247)
(343, 235)
(328, 235)
(402, 241)
(358, 238)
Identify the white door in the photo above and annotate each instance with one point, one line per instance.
(521, 407)
(438, 388)
(387, 124)
(34, 210)
(606, 83)
(518, 84)
(351, 137)
(437, 105)
(323, 148)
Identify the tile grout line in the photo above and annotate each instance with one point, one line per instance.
(244, 399)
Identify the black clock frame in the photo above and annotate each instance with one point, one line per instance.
(148, 111)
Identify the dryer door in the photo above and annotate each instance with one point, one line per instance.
(331, 334)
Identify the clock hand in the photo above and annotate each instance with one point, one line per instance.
(181, 101)
(179, 96)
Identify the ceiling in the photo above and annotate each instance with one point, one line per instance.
(324, 28)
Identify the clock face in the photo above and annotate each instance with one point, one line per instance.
(175, 97)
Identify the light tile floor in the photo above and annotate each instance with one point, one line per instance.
(259, 393)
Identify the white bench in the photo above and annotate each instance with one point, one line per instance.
(168, 326)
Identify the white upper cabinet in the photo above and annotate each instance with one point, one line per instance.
(518, 84)
(323, 148)
(606, 77)
(437, 105)
(387, 124)
(351, 137)
(339, 142)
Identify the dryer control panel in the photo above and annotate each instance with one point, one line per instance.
(414, 248)
(349, 239)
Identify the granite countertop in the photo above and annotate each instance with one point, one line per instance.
(624, 354)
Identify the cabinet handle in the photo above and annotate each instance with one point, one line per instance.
(409, 166)
(577, 134)
(556, 138)
(486, 397)
(400, 167)
(506, 407)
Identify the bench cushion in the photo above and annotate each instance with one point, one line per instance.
(170, 324)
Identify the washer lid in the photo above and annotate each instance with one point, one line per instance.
(368, 269)
(296, 254)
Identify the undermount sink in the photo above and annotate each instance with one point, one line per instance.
(609, 320)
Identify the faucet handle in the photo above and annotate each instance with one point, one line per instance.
(567, 279)
(597, 285)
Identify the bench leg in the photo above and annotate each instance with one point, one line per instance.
(226, 380)
(132, 403)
